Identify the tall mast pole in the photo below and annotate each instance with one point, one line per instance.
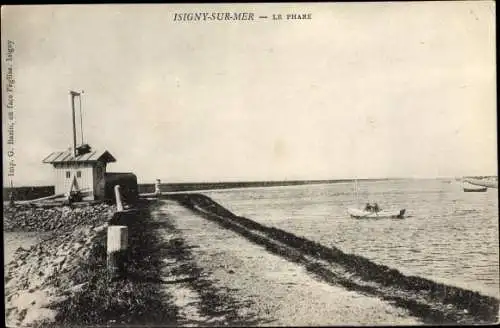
(73, 94)
(81, 116)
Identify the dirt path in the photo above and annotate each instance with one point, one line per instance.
(217, 277)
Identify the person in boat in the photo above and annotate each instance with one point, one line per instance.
(368, 207)
(376, 208)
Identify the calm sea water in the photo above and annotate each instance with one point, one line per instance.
(448, 235)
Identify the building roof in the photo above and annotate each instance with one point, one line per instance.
(67, 156)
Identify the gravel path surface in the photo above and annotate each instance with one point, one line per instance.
(253, 286)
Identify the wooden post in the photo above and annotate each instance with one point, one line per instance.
(157, 187)
(119, 205)
(117, 251)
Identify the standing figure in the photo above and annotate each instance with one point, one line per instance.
(157, 187)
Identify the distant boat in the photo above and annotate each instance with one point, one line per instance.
(480, 189)
(469, 186)
(373, 212)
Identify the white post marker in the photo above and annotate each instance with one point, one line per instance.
(119, 205)
(117, 250)
(157, 188)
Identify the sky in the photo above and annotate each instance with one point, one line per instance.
(361, 90)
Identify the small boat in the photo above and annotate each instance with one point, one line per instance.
(373, 211)
(471, 186)
(483, 189)
(384, 214)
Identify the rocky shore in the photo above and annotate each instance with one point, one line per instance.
(34, 217)
(63, 280)
(40, 277)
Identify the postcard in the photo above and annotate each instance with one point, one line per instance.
(250, 164)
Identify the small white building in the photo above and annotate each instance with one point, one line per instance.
(84, 172)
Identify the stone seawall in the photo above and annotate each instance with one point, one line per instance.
(36, 218)
(64, 281)
(39, 277)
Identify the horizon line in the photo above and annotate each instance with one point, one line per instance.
(162, 181)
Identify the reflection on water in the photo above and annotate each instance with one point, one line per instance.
(448, 236)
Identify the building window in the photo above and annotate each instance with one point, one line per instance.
(68, 174)
(78, 174)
